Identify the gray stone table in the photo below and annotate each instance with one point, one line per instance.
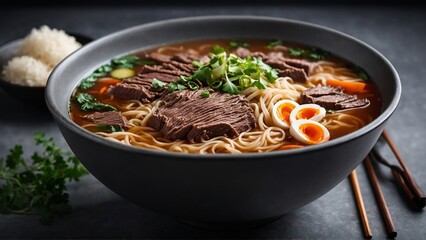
(398, 32)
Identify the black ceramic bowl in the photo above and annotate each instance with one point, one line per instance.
(222, 188)
(30, 95)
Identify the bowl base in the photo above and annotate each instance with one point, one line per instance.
(226, 226)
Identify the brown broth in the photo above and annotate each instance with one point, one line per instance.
(367, 114)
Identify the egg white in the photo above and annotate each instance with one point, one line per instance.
(301, 137)
(277, 120)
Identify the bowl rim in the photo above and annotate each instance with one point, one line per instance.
(70, 125)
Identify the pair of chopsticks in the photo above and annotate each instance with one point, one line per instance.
(403, 177)
(390, 227)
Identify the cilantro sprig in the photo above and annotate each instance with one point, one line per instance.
(88, 102)
(129, 62)
(238, 43)
(314, 53)
(274, 43)
(360, 72)
(110, 128)
(37, 187)
(226, 72)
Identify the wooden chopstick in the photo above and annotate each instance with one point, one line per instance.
(402, 179)
(360, 202)
(407, 176)
(390, 227)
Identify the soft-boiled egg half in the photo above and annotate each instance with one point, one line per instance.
(281, 112)
(309, 132)
(312, 112)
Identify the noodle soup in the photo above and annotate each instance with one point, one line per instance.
(224, 96)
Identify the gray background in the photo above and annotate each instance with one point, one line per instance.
(398, 32)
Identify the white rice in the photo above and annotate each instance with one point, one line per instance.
(27, 71)
(48, 45)
(40, 52)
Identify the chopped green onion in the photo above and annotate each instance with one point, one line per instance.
(228, 73)
(205, 94)
(193, 86)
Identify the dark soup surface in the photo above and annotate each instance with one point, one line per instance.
(226, 96)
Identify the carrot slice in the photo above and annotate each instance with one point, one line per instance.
(109, 81)
(356, 87)
(290, 146)
(103, 90)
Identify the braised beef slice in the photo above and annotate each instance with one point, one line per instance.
(300, 64)
(286, 63)
(161, 69)
(331, 101)
(185, 57)
(285, 70)
(332, 98)
(140, 87)
(354, 104)
(112, 118)
(158, 75)
(297, 63)
(244, 52)
(132, 91)
(158, 57)
(278, 64)
(275, 55)
(170, 66)
(186, 67)
(298, 75)
(166, 70)
(320, 91)
(188, 115)
(204, 59)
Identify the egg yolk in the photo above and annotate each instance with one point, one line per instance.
(312, 132)
(306, 113)
(284, 111)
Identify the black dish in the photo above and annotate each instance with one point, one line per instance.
(30, 95)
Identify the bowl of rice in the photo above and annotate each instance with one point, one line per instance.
(26, 62)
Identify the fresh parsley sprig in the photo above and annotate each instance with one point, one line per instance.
(125, 62)
(37, 187)
(88, 102)
(89, 81)
(129, 62)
